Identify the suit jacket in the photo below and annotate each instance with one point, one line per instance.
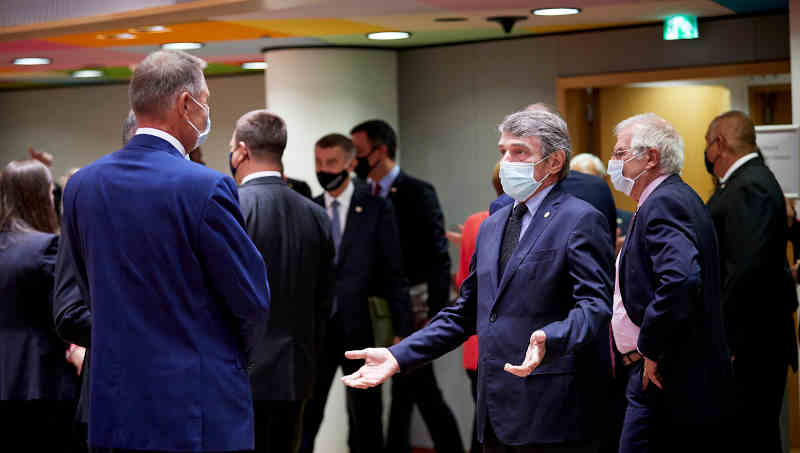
(420, 221)
(589, 188)
(369, 264)
(72, 315)
(178, 298)
(557, 280)
(299, 186)
(758, 291)
(669, 282)
(293, 235)
(32, 365)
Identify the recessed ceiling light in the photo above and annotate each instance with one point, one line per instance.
(555, 11)
(255, 65)
(150, 29)
(87, 73)
(117, 36)
(450, 19)
(31, 61)
(182, 45)
(389, 35)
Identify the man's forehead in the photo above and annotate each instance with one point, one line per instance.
(509, 139)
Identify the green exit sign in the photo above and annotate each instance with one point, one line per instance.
(681, 27)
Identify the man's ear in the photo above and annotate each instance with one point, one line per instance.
(654, 157)
(181, 102)
(351, 167)
(558, 161)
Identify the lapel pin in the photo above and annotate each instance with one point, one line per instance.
(394, 189)
(359, 209)
(547, 214)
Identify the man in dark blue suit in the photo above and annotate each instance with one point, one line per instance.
(667, 320)
(540, 278)
(368, 263)
(178, 291)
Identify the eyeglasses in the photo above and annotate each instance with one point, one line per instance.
(619, 153)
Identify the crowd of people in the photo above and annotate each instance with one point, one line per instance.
(158, 305)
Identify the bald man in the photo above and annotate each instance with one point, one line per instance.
(758, 294)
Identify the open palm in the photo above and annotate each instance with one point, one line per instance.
(379, 365)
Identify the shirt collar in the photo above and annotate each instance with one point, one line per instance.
(536, 200)
(344, 197)
(165, 136)
(261, 174)
(739, 162)
(387, 181)
(651, 187)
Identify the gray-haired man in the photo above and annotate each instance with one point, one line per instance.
(541, 278)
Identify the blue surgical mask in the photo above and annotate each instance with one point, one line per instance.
(201, 136)
(517, 178)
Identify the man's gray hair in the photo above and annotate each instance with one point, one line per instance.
(161, 77)
(549, 128)
(128, 128)
(649, 130)
(264, 133)
(588, 159)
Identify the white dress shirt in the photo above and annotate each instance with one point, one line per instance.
(165, 136)
(261, 174)
(739, 162)
(344, 204)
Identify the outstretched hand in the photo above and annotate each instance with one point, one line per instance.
(379, 366)
(533, 356)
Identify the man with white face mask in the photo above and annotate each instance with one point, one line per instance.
(667, 322)
(538, 292)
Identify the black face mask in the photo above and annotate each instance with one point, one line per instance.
(331, 181)
(230, 163)
(363, 167)
(709, 166)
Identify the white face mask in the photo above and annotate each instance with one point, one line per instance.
(517, 178)
(618, 180)
(201, 135)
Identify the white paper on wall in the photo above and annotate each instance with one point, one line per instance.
(781, 149)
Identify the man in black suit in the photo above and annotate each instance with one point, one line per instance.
(294, 237)
(758, 293)
(427, 265)
(368, 263)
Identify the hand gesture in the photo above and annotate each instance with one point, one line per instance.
(75, 356)
(651, 373)
(533, 356)
(379, 366)
(455, 237)
(45, 158)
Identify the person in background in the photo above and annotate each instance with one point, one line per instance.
(38, 387)
(178, 292)
(368, 263)
(758, 291)
(592, 165)
(426, 263)
(538, 292)
(297, 185)
(293, 235)
(667, 319)
(466, 242)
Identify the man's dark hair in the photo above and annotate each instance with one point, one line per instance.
(264, 133)
(379, 133)
(333, 140)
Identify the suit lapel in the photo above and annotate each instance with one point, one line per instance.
(543, 216)
(493, 246)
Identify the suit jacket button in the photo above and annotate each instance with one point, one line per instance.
(493, 317)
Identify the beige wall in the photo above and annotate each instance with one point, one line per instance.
(689, 108)
(80, 124)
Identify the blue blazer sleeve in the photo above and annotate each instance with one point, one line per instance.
(590, 253)
(445, 332)
(235, 268)
(71, 313)
(677, 270)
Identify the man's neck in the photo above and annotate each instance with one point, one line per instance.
(381, 170)
(243, 173)
(549, 181)
(162, 126)
(335, 193)
(642, 183)
(728, 163)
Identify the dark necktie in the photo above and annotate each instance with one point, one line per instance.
(336, 228)
(511, 236)
(376, 189)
